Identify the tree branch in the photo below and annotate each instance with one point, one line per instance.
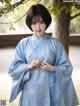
(10, 7)
(76, 15)
(15, 20)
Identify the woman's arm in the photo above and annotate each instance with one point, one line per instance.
(19, 63)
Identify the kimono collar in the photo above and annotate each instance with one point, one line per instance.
(35, 37)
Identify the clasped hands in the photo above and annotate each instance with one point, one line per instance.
(44, 65)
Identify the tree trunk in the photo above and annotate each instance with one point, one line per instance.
(62, 29)
(62, 24)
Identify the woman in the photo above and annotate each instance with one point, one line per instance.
(41, 69)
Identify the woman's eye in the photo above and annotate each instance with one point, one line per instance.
(34, 23)
(41, 22)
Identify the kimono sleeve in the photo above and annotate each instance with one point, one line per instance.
(19, 63)
(65, 86)
(18, 70)
(63, 65)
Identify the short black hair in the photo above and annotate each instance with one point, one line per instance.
(38, 10)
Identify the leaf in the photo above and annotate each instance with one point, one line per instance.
(62, 7)
(45, 2)
(7, 1)
(1, 1)
(12, 28)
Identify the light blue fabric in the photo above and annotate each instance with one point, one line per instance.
(40, 87)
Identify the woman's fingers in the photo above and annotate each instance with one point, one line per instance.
(33, 64)
(47, 66)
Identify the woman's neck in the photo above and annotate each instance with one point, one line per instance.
(40, 36)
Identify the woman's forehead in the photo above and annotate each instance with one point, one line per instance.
(37, 19)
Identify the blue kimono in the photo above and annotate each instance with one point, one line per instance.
(40, 87)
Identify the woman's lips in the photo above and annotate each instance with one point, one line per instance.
(38, 30)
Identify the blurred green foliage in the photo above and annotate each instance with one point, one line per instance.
(12, 13)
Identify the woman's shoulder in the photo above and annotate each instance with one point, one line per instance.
(54, 39)
(55, 42)
(23, 42)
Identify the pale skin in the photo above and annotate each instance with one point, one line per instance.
(38, 63)
(39, 29)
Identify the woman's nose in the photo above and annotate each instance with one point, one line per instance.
(37, 25)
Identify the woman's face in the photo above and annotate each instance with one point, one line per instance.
(38, 26)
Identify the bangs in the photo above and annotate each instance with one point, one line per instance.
(38, 13)
(37, 19)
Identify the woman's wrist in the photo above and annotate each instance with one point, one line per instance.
(53, 69)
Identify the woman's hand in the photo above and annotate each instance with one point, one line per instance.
(33, 64)
(47, 66)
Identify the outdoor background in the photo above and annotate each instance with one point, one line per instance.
(7, 53)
